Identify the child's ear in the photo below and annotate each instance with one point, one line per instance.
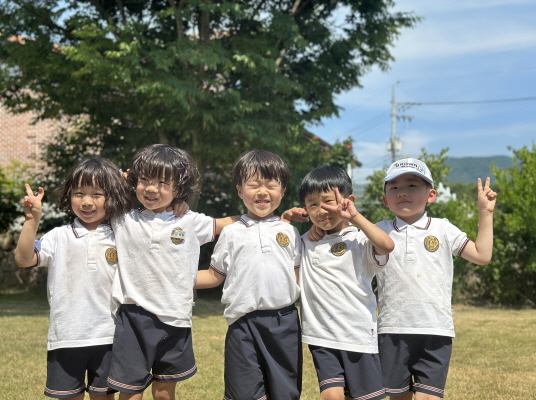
(384, 199)
(432, 195)
(283, 191)
(351, 198)
(239, 189)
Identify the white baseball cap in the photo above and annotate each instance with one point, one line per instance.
(409, 166)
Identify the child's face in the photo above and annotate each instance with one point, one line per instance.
(87, 203)
(407, 196)
(324, 219)
(155, 194)
(261, 197)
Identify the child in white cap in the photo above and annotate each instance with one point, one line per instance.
(415, 327)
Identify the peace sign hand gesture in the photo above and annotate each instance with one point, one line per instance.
(345, 207)
(33, 207)
(486, 196)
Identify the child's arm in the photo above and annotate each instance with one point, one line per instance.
(480, 251)
(208, 278)
(295, 214)
(382, 242)
(223, 222)
(24, 253)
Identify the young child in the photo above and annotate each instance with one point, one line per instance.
(415, 319)
(153, 289)
(258, 257)
(338, 306)
(81, 260)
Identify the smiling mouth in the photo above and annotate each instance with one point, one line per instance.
(262, 202)
(150, 199)
(87, 212)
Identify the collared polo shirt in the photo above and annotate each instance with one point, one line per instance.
(158, 262)
(81, 267)
(338, 306)
(415, 288)
(258, 259)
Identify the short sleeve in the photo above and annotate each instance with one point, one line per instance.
(44, 248)
(297, 249)
(220, 257)
(456, 238)
(205, 228)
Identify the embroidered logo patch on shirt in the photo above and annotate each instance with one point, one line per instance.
(338, 249)
(177, 236)
(111, 255)
(282, 239)
(431, 243)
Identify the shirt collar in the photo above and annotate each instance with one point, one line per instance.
(342, 232)
(164, 215)
(250, 222)
(79, 230)
(422, 223)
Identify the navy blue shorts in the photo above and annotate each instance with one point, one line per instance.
(67, 367)
(359, 374)
(418, 363)
(146, 349)
(263, 356)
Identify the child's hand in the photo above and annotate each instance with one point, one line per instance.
(316, 233)
(125, 174)
(295, 214)
(33, 208)
(179, 209)
(486, 196)
(345, 207)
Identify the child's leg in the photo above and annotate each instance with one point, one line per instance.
(130, 396)
(425, 396)
(407, 396)
(164, 390)
(102, 397)
(333, 393)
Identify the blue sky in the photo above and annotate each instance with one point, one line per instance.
(462, 51)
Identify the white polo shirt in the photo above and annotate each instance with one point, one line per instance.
(338, 306)
(415, 288)
(158, 261)
(258, 259)
(81, 267)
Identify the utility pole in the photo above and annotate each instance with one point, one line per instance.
(394, 145)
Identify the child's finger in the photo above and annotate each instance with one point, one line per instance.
(479, 185)
(337, 195)
(29, 190)
(486, 185)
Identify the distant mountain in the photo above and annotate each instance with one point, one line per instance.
(469, 169)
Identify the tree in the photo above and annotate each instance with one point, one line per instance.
(511, 275)
(213, 77)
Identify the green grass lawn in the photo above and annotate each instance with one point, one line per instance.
(494, 353)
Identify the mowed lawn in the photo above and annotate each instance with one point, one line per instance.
(494, 353)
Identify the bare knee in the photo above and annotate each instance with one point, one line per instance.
(425, 396)
(164, 390)
(102, 397)
(130, 396)
(407, 396)
(333, 393)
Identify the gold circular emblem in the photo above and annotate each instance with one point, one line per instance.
(177, 236)
(338, 249)
(111, 255)
(282, 239)
(431, 243)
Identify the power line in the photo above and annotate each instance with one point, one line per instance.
(442, 103)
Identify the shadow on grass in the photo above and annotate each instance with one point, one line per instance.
(23, 302)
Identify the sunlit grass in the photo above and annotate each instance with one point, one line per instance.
(493, 358)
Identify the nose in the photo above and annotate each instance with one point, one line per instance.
(87, 201)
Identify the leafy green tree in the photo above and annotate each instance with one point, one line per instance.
(213, 77)
(511, 275)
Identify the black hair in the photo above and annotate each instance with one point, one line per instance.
(323, 179)
(161, 161)
(263, 163)
(104, 174)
